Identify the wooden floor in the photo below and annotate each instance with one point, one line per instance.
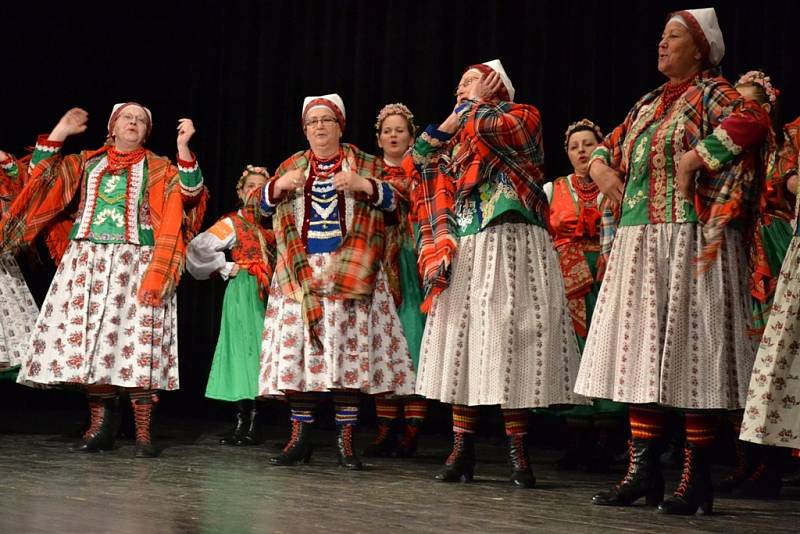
(200, 486)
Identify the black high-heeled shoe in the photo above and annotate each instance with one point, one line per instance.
(344, 443)
(460, 465)
(643, 479)
(299, 447)
(695, 489)
(102, 431)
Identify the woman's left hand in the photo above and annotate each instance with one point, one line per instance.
(351, 181)
(486, 87)
(185, 132)
(684, 176)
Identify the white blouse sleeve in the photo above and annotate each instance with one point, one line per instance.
(548, 191)
(205, 254)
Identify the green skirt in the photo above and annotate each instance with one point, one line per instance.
(776, 237)
(411, 318)
(234, 371)
(9, 373)
(599, 407)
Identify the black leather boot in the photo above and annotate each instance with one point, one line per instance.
(298, 449)
(242, 409)
(407, 447)
(344, 444)
(252, 436)
(764, 482)
(102, 426)
(460, 465)
(521, 473)
(384, 443)
(741, 470)
(143, 416)
(695, 489)
(643, 479)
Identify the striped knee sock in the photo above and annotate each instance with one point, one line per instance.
(795, 453)
(105, 391)
(387, 409)
(346, 406)
(701, 427)
(302, 406)
(415, 409)
(516, 421)
(465, 419)
(647, 423)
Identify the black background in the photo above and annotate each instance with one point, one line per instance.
(240, 69)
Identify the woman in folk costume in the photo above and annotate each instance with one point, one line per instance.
(234, 370)
(331, 324)
(498, 330)
(116, 220)
(574, 218)
(757, 473)
(670, 327)
(772, 413)
(395, 131)
(18, 311)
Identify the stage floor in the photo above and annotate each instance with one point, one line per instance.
(200, 486)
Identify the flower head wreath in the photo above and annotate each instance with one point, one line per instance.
(250, 169)
(583, 124)
(757, 77)
(396, 109)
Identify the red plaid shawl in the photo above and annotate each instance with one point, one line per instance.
(493, 137)
(724, 195)
(356, 262)
(56, 182)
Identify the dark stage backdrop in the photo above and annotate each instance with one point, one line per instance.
(241, 68)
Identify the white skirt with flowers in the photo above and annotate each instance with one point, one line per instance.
(772, 413)
(363, 346)
(92, 329)
(662, 334)
(18, 312)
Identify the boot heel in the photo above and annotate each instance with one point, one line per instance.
(654, 498)
(307, 456)
(707, 507)
(467, 474)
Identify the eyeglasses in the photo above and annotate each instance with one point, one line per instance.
(128, 117)
(466, 83)
(323, 121)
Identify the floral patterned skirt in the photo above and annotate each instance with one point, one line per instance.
(772, 413)
(363, 344)
(92, 329)
(18, 312)
(663, 334)
(501, 333)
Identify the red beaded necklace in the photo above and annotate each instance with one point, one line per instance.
(323, 169)
(670, 94)
(119, 161)
(586, 190)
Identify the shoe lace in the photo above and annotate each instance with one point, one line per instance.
(519, 458)
(629, 474)
(409, 436)
(686, 476)
(142, 414)
(347, 440)
(458, 448)
(758, 473)
(294, 437)
(383, 434)
(95, 418)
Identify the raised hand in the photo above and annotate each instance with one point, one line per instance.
(73, 122)
(486, 87)
(185, 132)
